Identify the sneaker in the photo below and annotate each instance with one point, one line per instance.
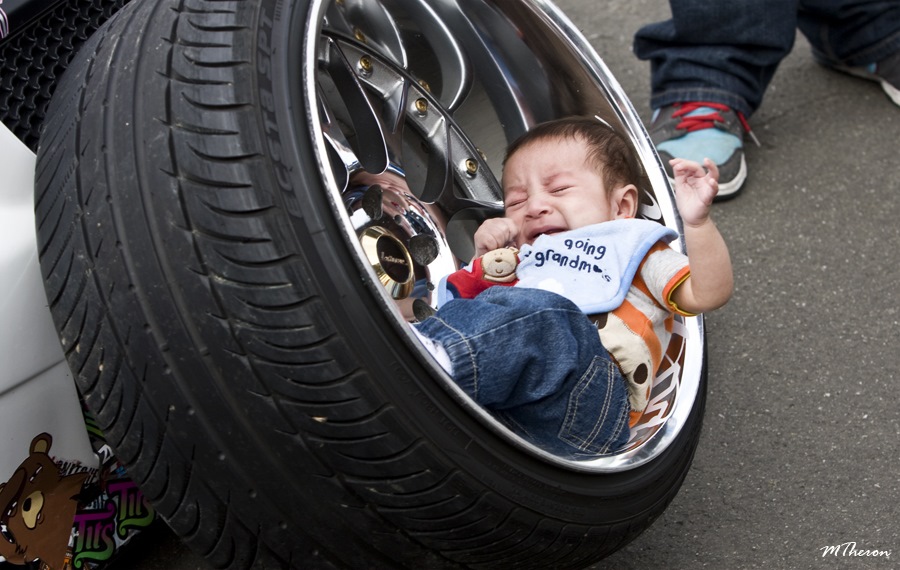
(698, 130)
(886, 72)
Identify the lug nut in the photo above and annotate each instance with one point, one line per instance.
(365, 66)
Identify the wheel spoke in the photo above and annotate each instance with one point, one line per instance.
(370, 23)
(370, 136)
(340, 154)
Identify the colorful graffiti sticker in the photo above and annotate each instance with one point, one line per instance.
(98, 533)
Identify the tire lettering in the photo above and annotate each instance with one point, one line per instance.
(266, 100)
(267, 103)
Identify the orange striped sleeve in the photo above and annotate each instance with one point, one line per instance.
(672, 285)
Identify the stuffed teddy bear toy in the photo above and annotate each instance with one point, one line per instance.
(496, 267)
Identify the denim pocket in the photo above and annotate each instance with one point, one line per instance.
(596, 418)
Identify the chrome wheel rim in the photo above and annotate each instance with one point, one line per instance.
(429, 93)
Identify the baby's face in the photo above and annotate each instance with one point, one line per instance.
(550, 187)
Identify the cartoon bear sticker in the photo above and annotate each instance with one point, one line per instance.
(37, 508)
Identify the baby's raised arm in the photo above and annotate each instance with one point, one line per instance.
(711, 282)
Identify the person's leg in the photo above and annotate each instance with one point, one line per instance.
(535, 360)
(857, 37)
(723, 53)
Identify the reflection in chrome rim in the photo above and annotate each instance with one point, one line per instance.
(412, 104)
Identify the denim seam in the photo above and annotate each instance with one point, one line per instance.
(509, 419)
(604, 411)
(468, 348)
(586, 444)
(872, 54)
(621, 425)
(698, 93)
(572, 410)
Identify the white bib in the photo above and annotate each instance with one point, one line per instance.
(591, 266)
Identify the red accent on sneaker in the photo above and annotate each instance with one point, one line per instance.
(707, 121)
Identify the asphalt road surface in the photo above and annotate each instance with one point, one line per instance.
(801, 441)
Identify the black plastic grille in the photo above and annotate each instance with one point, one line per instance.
(34, 59)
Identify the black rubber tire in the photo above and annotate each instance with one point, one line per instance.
(238, 360)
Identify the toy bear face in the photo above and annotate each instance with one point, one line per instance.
(500, 265)
(37, 508)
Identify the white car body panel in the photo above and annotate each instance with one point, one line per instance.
(37, 393)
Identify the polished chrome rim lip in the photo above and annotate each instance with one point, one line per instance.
(693, 363)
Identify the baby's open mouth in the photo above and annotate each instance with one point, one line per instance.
(546, 231)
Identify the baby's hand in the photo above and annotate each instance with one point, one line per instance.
(695, 188)
(494, 233)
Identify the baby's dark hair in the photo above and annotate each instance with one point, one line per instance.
(609, 152)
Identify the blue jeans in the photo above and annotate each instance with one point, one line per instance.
(727, 51)
(535, 361)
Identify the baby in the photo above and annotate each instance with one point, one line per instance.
(530, 352)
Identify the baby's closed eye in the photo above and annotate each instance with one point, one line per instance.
(514, 201)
